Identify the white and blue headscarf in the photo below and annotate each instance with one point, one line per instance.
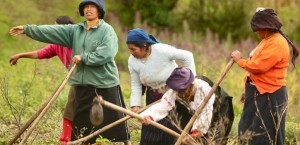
(139, 35)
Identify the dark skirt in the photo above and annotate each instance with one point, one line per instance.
(69, 109)
(262, 115)
(81, 123)
(152, 135)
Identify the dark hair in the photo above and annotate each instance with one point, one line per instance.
(140, 44)
(295, 50)
(64, 20)
(267, 19)
(295, 54)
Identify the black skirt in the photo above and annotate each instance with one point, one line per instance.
(81, 123)
(152, 135)
(262, 114)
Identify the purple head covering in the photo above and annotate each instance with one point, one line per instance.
(180, 79)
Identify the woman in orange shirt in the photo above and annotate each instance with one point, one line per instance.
(265, 100)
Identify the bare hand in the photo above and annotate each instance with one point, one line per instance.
(14, 59)
(188, 139)
(76, 59)
(135, 109)
(16, 30)
(236, 55)
(243, 98)
(145, 120)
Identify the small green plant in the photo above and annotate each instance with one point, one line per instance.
(103, 140)
(292, 133)
(209, 51)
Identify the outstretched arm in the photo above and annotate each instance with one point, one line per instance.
(56, 34)
(14, 59)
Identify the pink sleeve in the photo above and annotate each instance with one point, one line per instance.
(47, 52)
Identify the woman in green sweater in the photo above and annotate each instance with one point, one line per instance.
(94, 45)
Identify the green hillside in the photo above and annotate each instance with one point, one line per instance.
(211, 31)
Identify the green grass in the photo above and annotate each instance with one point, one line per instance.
(41, 83)
(36, 80)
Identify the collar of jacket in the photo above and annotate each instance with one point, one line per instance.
(83, 24)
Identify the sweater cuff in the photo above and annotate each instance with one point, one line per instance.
(195, 133)
(135, 102)
(25, 29)
(82, 56)
(151, 118)
(240, 62)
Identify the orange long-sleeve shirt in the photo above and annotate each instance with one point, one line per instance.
(268, 65)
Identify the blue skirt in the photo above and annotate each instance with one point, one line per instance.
(262, 115)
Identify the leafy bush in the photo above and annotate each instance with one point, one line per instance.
(155, 12)
(225, 18)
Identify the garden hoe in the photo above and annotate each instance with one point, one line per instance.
(41, 112)
(33, 117)
(107, 126)
(135, 115)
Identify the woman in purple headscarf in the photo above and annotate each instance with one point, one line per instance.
(190, 92)
(265, 101)
(150, 64)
